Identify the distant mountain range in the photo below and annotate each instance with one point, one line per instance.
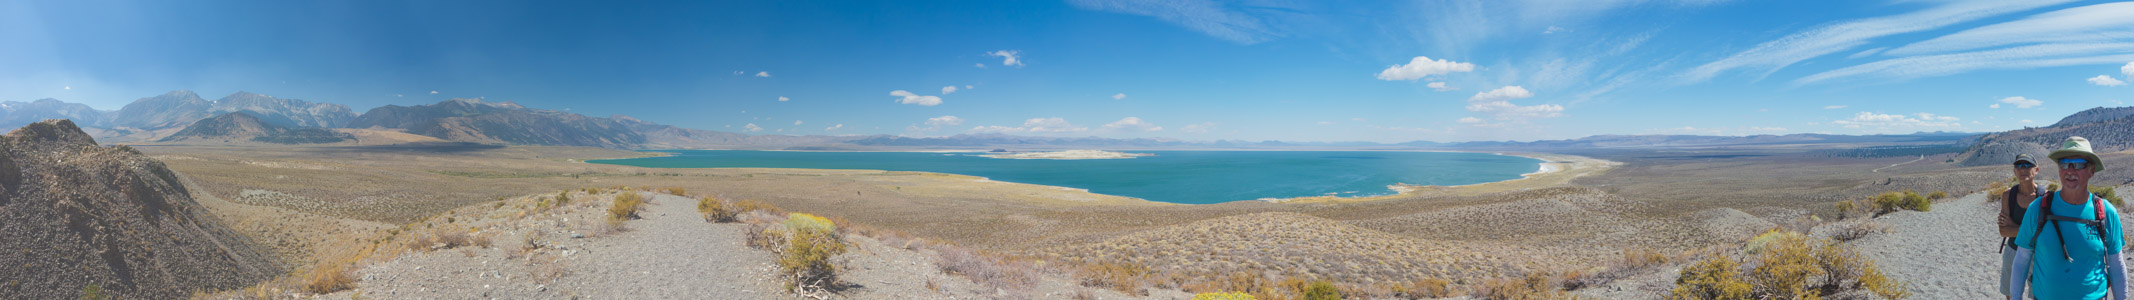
(243, 126)
(253, 117)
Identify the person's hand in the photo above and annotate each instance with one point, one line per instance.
(2004, 221)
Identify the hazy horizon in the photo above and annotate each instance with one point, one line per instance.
(1445, 71)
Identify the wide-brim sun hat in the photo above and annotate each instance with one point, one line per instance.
(2076, 146)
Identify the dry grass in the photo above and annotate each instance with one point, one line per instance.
(716, 210)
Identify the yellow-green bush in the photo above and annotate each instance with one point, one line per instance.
(1322, 290)
(2108, 195)
(806, 258)
(625, 207)
(716, 210)
(1789, 266)
(1223, 296)
(563, 197)
(1715, 278)
(1937, 195)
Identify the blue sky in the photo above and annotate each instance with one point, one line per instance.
(1194, 70)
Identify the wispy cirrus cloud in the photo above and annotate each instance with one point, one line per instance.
(2086, 24)
(2022, 57)
(1845, 36)
(1217, 19)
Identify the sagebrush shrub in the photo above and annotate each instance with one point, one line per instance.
(1789, 266)
(716, 210)
(625, 207)
(1223, 296)
(806, 258)
(1322, 290)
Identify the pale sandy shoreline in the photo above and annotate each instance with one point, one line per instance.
(1554, 170)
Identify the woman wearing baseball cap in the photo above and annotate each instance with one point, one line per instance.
(2069, 244)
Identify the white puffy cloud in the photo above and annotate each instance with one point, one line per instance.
(1132, 124)
(1201, 128)
(783, 99)
(1440, 86)
(1423, 66)
(1502, 94)
(1835, 106)
(752, 127)
(1009, 57)
(1470, 120)
(1118, 96)
(915, 99)
(2021, 102)
(835, 127)
(433, 92)
(981, 65)
(948, 89)
(2127, 69)
(763, 74)
(796, 122)
(969, 87)
(1554, 29)
(1035, 125)
(1498, 102)
(1896, 121)
(2106, 80)
(944, 121)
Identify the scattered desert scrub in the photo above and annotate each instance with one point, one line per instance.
(675, 190)
(1535, 285)
(2108, 195)
(1634, 262)
(1787, 265)
(1858, 230)
(1322, 290)
(1123, 277)
(716, 210)
(1223, 296)
(995, 271)
(625, 207)
(1425, 288)
(1908, 200)
(1938, 195)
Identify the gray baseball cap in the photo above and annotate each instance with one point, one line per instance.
(2024, 159)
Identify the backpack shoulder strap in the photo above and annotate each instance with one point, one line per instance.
(2044, 217)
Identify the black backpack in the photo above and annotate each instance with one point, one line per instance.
(2048, 217)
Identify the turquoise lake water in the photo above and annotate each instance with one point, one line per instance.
(1192, 177)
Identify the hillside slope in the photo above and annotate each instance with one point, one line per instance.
(76, 215)
(243, 126)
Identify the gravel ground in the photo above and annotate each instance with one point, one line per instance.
(1948, 253)
(669, 254)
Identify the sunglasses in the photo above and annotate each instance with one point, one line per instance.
(2074, 164)
(2025, 165)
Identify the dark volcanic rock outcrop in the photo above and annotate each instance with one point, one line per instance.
(243, 126)
(73, 214)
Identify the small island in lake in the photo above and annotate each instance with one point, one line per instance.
(1069, 154)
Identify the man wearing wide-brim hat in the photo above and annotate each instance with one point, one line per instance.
(2068, 246)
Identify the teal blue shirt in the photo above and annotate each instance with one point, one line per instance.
(2081, 275)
